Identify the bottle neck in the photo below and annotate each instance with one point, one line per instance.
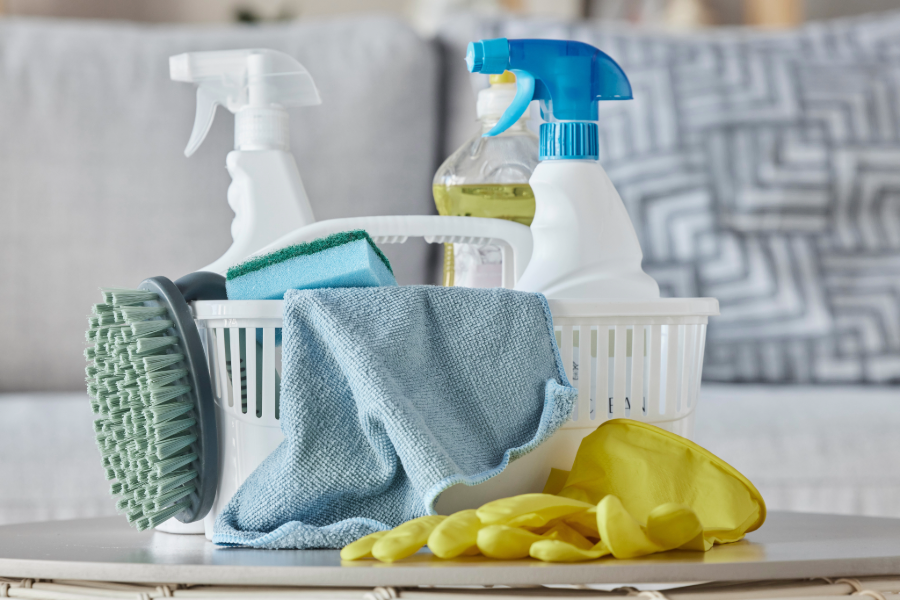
(569, 140)
(488, 122)
(261, 128)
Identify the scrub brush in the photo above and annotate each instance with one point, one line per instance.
(150, 387)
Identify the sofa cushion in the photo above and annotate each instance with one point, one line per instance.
(96, 189)
(758, 168)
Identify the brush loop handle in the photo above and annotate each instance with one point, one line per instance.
(202, 285)
(172, 297)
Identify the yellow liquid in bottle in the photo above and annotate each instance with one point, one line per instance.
(510, 201)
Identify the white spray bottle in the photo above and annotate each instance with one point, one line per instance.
(258, 86)
(585, 246)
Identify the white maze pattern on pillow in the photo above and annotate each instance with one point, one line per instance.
(764, 169)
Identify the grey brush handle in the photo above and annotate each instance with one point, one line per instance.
(207, 439)
(202, 285)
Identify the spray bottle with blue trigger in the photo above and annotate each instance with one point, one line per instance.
(585, 246)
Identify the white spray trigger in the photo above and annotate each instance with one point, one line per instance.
(203, 118)
(524, 95)
(260, 80)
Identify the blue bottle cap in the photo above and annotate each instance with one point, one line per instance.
(487, 56)
(569, 139)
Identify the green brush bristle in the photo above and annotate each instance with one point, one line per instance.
(120, 297)
(171, 447)
(170, 428)
(145, 329)
(150, 346)
(164, 499)
(163, 515)
(166, 412)
(156, 363)
(172, 481)
(163, 393)
(169, 465)
(140, 313)
(107, 318)
(138, 386)
(161, 378)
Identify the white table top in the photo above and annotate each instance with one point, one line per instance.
(789, 545)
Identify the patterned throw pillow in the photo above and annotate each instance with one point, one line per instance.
(763, 169)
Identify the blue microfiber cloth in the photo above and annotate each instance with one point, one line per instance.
(391, 395)
(347, 259)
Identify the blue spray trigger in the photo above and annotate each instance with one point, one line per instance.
(524, 95)
(570, 77)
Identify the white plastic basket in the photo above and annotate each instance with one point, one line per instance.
(668, 335)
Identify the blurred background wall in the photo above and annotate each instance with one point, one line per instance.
(424, 14)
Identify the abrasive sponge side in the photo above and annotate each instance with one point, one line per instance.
(347, 259)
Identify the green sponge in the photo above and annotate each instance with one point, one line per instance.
(347, 259)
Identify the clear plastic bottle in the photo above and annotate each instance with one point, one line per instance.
(487, 177)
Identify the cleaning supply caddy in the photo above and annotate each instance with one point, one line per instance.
(667, 337)
(628, 352)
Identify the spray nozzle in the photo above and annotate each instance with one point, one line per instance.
(568, 78)
(257, 85)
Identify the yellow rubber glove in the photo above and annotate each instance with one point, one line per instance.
(559, 551)
(687, 498)
(506, 543)
(406, 539)
(568, 535)
(584, 523)
(645, 466)
(556, 481)
(362, 548)
(675, 526)
(530, 510)
(668, 527)
(456, 535)
(624, 536)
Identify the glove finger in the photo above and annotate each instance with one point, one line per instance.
(529, 510)
(620, 532)
(506, 543)
(455, 535)
(362, 548)
(406, 539)
(559, 551)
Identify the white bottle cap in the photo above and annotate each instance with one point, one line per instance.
(496, 98)
(261, 128)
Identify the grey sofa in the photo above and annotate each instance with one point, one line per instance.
(96, 191)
